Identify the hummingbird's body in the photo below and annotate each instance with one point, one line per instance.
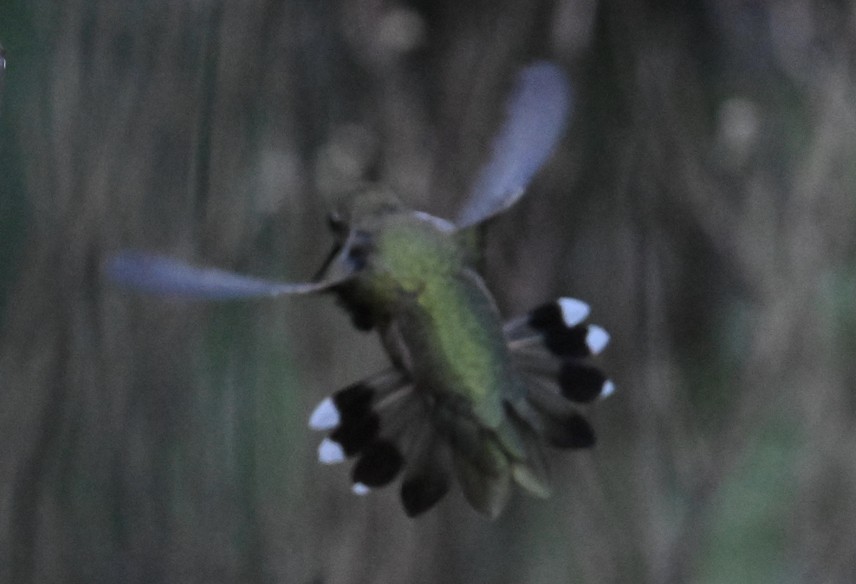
(466, 395)
(435, 316)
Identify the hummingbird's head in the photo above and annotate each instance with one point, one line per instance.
(354, 222)
(363, 209)
(375, 234)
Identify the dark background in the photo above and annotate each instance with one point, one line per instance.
(702, 201)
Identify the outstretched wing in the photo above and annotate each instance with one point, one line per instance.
(164, 276)
(535, 121)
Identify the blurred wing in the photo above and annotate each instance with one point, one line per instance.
(153, 274)
(536, 116)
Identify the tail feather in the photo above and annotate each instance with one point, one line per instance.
(558, 327)
(530, 470)
(427, 478)
(378, 465)
(353, 415)
(560, 425)
(487, 492)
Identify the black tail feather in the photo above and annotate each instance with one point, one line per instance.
(427, 478)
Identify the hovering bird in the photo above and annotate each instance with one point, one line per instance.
(464, 395)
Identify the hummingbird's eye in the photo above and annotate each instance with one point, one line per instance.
(359, 250)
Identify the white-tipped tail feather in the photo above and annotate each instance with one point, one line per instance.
(325, 416)
(360, 489)
(596, 339)
(608, 389)
(573, 311)
(330, 452)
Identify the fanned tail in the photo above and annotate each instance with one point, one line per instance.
(390, 427)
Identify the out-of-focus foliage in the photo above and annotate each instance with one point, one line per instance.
(703, 201)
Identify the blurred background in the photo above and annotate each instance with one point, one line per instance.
(702, 201)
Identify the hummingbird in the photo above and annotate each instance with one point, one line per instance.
(466, 396)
